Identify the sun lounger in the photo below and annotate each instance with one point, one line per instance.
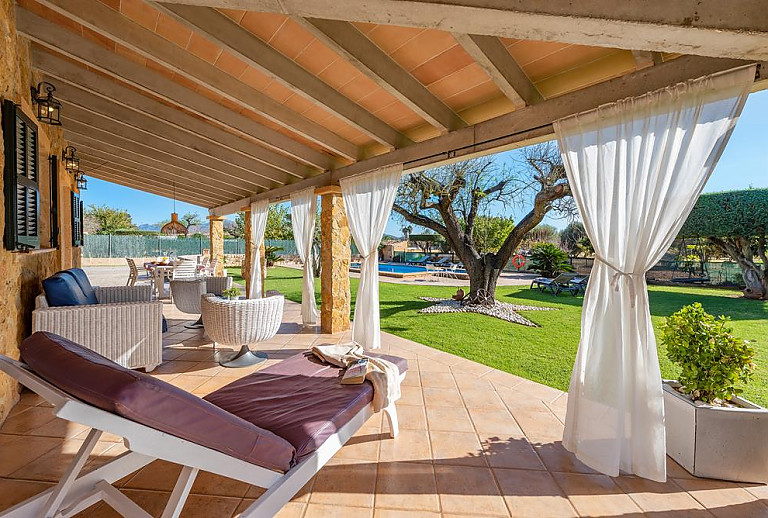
(274, 429)
(557, 285)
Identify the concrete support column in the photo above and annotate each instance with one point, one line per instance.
(217, 242)
(335, 259)
(248, 252)
(263, 260)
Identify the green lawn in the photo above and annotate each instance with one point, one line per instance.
(543, 354)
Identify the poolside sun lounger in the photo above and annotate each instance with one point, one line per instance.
(557, 285)
(274, 429)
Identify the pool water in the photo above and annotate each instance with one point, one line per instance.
(398, 268)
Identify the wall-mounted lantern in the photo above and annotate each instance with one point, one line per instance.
(69, 157)
(48, 109)
(82, 181)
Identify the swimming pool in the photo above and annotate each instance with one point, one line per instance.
(398, 268)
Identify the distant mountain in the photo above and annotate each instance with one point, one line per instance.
(149, 226)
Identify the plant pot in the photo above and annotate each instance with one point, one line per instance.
(727, 443)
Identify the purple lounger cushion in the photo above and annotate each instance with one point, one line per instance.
(139, 397)
(300, 399)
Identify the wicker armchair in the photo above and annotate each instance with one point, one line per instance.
(125, 326)
(186, 294)
(239, 323)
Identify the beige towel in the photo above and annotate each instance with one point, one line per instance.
(383, 374)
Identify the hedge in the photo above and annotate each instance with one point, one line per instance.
(732, 213)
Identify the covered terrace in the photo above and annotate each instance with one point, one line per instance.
(233, 104)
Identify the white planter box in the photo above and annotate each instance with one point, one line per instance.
(727, 443)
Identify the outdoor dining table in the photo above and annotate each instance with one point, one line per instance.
(160, 273)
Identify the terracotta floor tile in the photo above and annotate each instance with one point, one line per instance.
(29, 419)
(18, 451)
(362, 446)
(556, 458)
(336, 511)
(212, 384)
(157, 476)
(467, 490)
(412, 379)
(482, 399)
(510, 451)
(494, 421)
(457, 449)
(596, 495)
(657, 498)
(52, 465)
(409, 445)
(539, 426)
(431, 365)
(437, 380)
(533, 494)
(400, 513)
(188, 382)
(449, 419)
(723, 499)
(442, 397)
(470, 381)
(410, 395)
(13, 492)
(411, 417)
(350, 483)
(406, 486)
(290, 510)
(210, 484)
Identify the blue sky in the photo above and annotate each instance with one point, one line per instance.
(743, 164)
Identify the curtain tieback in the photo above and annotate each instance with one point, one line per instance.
(619, 274)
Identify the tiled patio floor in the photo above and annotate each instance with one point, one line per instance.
(474, 442)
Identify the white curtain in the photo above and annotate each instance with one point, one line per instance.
(259, 211)
(303, 211)
(368, 200)
(636, 168)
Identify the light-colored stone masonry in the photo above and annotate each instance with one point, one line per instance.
(335, 258)
(20, 274)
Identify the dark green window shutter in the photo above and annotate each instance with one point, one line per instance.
(53, 164)
(22, 191)
(77, 220)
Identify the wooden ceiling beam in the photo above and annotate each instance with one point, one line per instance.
(501, 67)
(224, 32)
(104, 20)
(102, 156)
(171, 152)
(211, 154)
(699, 27)
(148, 150)
(57, 38)
(351, 44)
(126, 178)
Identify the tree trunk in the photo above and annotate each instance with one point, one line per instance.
(483, 276)
(755, 278)
(755, 281)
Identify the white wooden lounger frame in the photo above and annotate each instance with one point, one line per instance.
(73, 494)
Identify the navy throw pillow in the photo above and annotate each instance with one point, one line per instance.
(85, 285)
(62, 290)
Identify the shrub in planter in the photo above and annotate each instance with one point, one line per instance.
(710, 430)
(549, 260)
(712, 360)
(231, 293)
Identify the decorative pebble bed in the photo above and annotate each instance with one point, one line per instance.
(502, 310)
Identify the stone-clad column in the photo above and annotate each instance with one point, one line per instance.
(248, 252)
(334, 258)
(217, 242)
(263, 261)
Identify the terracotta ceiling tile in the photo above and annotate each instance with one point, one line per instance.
(291, 39)
(363, 27)
(128, 53)
(473, 96)
(465, 78)
(298, 103)
(376, 99)
(255, 78)
(317, 114)
(278, 92)
(339, 73)
(356, 89)
(617, 63)
(263, 25)
(527, 51)
(398, 116)
(508, 42)
(140, 12)
(316, 57)
(422, 48)
(390, 38)
(99, 39)
(231, 64)
(450, 61)
(565, 59)
(173, 31)
(203, 48)
(233, 14)
(114, 4)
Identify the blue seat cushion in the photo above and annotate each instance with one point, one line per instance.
(62, 290)
(82, 280)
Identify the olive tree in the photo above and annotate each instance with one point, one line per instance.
(450, 200)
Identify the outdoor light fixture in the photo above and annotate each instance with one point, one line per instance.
(48, 108)
(82, 181)
(71, 162)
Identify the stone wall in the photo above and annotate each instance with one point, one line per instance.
(20, 274)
